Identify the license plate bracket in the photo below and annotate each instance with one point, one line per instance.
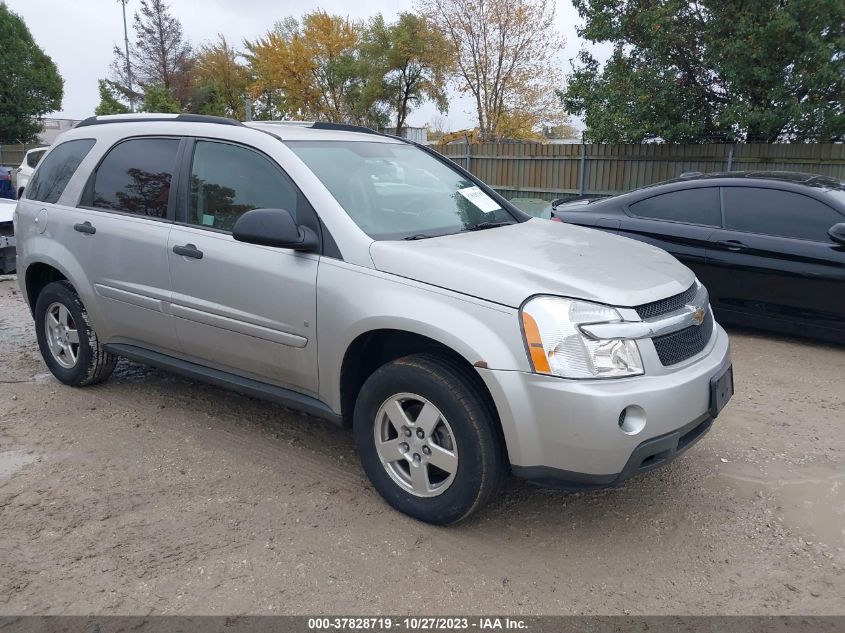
(721, 390)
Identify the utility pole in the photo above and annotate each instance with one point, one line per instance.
(128, 63)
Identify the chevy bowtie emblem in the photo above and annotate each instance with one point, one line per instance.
(698, 316)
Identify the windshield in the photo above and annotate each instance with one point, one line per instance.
(398, 191)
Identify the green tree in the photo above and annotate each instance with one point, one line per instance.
(158, 99)
(30, 84)
(109, 99)
(712, 70)
(408, 63)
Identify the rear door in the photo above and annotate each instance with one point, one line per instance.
(680, 222)
(239, 307)
(775, 258)
(120, 232)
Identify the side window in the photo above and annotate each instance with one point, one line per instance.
(694, 206)
(32, 158)
(229, 180)
(135, 176)
(779, 213)
(51, 178)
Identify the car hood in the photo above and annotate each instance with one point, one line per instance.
(508, 264)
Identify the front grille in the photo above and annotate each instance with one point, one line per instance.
(669, 304)
(683, 344)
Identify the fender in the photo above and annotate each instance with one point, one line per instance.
(475, 329)
(52, 253)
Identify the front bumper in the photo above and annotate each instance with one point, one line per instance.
(566, 433)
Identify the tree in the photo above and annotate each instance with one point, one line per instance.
(506, 58)
(158, 99)
(220, 81)
(109, 99)
(712, 70)
(160, 55)
(408, 63)
(312, 69)
(30, 84)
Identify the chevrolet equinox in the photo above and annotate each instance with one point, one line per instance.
(368, 280)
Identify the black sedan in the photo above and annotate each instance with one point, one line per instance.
(769, 246)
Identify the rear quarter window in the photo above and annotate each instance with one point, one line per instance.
(32, 158)
(693, 206)
(56, 170)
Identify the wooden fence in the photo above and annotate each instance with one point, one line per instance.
(530, 170)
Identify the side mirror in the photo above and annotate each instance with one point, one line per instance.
(837, 233)
(274, 227)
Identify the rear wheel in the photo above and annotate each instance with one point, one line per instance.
(427, 439)
(67, 341)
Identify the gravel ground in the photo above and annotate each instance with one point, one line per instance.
(153, 494)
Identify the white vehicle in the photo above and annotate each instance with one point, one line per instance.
(28, 164)
(7, 236)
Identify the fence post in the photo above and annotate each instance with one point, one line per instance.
(583, 169)
(469, 156)
(730, 157)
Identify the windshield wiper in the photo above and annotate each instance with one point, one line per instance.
(418, 236)
(486, 225)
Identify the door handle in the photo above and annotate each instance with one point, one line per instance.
(731, 245)
(188, 250)
(85, 227)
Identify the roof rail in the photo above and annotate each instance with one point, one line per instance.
(321, 125)
(154, 116)
(325, 125)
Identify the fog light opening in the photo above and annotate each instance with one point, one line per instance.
(632, 419)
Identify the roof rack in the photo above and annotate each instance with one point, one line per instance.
(153, 116)
(324, 125)
(320, 125)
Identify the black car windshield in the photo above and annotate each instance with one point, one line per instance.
(398, 191)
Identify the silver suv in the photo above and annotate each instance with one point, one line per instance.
(368, 280)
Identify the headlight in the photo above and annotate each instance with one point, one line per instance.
(557, 346)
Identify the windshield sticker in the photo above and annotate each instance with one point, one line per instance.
(479, 199)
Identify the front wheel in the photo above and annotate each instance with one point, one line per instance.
(67, 341)
(428, 440)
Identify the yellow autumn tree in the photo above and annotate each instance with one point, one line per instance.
(220, 80)
(310, 69)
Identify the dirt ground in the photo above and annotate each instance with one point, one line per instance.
(150, 494)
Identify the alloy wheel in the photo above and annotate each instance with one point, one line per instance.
(416, 445)
(62, 335)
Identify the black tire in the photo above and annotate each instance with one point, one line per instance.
(482, 461)
(93, 364)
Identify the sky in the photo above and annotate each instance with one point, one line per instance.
(79, 36)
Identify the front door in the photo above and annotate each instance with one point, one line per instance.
(240, 307)
(680, 222)
(775, 259)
